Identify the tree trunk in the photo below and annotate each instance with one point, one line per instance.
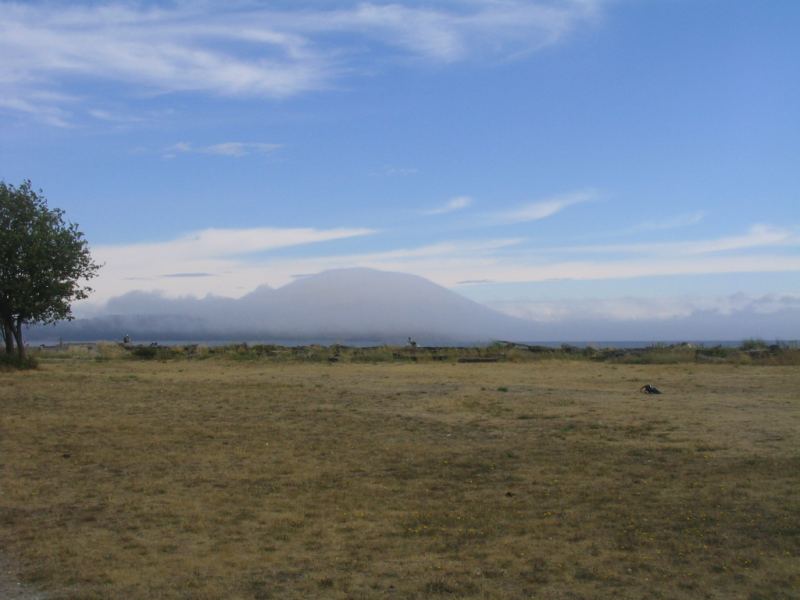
(18, 337)
(8, 337)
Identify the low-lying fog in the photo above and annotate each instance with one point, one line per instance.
(377, 306)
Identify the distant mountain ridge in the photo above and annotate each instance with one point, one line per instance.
(336, 305)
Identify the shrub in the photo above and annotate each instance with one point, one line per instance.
(109, 350)
(10, 362)
(754, 344)
(156, 352)
(145, 352)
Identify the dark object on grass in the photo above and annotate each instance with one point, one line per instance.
(649, 389)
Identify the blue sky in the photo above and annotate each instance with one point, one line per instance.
(641, 158)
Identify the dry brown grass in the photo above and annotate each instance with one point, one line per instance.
(223, 479)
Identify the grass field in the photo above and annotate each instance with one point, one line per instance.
(219, 478)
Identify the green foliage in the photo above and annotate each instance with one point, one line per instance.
(378, 354)
(715, 352)
(659, 355)
(145, 352)
(157, 352)
(774, 354)
(754, 344)
(44, 262)
(10, 362)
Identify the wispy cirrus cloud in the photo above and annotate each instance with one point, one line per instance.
(542, 209)
(674, 222)
(215, 243)
(42, 107)
(758, 236)
(111, 117)
(210, 260)
(234, 149)
(395, 171)
(458, 30)
(633, 309)
(243, 49)
(236, 261)
(452, 205)
(231, 262)
(666, 223)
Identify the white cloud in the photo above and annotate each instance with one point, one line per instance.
(758, 236)
(103, 115)
(644, 309)
(542, 209)
(249, 50)
(457, 203)
(653, 225)
(41, 110)
(121, 118)
(392, 171)
(234, 149)
(222, 256)
(229, 242)
(511, 271)
(460, 30)
(233, 262)
(674, 222)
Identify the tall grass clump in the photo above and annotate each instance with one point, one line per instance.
(110, 351)
(377, 354)
(753, 344)
(156, 352)
(660, 355)
(12, 362)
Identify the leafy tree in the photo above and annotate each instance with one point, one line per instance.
(44, 263)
